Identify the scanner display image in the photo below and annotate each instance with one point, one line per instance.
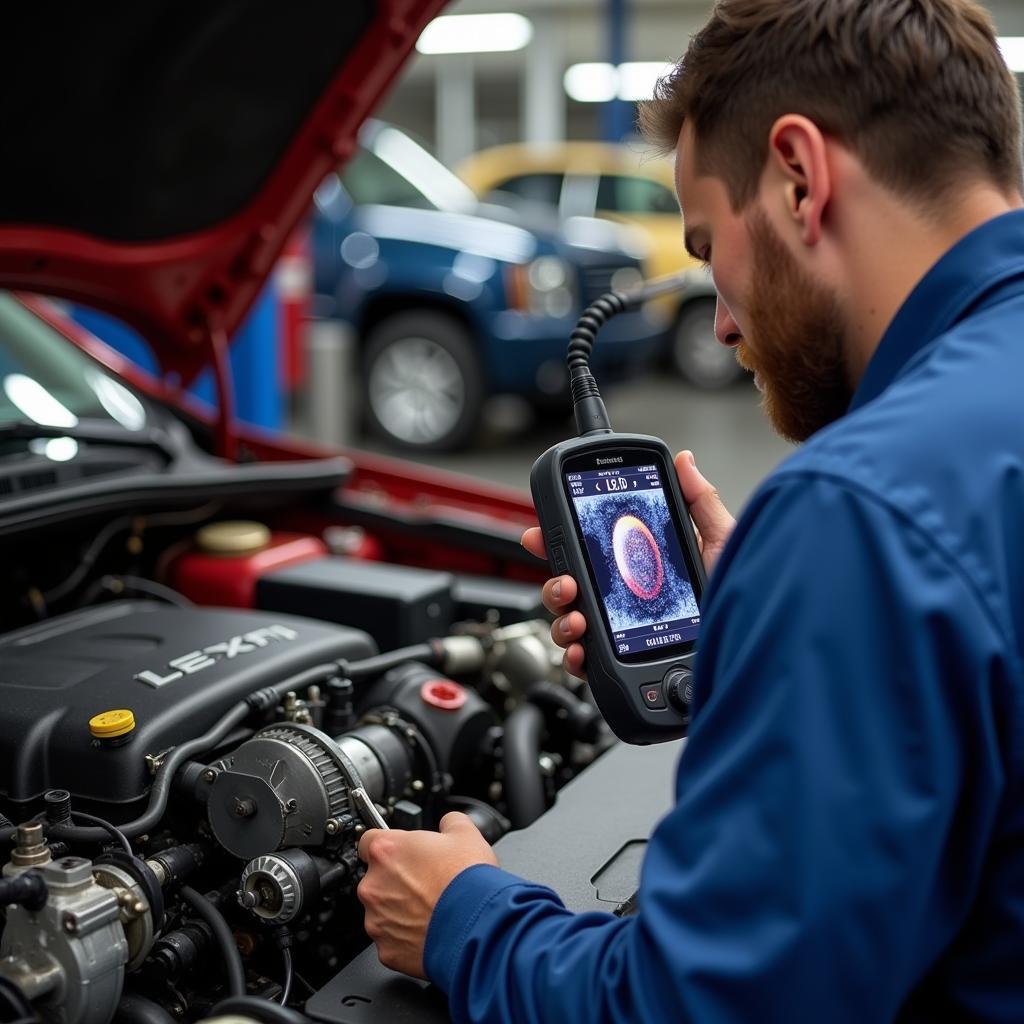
(636, 557)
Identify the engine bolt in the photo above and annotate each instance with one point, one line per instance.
(331, 827)
(291, 805)
(210, 775)
(417, 785)
(247, 899)
(244, 807)
(69, 924)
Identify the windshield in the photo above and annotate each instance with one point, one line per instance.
(393, 169)
(46, 380)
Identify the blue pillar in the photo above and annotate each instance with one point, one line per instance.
(616, 115)
(255, 365)
(255, 358)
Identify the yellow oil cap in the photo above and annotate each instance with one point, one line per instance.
(233, 537)
(111, 724)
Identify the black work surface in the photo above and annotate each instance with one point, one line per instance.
(596, 830)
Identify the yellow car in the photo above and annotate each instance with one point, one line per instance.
(594, 179)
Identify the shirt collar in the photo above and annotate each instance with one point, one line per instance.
(971, 271)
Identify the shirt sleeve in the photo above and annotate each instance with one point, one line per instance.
(834, 801)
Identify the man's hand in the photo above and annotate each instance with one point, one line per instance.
(714, 525)
(407, 872)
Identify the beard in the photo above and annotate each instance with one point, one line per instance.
(796, 342)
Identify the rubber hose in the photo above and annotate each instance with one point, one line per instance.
(222, 936)
(136, 1009)
(583, 719)
(161, 788)
(28, 890)
(258, 1009)
(431, 653)
(524, 786)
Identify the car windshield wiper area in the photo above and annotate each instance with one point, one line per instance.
(98, 432)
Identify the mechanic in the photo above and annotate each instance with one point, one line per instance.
(847, 843)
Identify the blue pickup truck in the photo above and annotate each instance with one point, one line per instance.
(452, 301)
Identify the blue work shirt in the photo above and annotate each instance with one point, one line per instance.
(848, 839)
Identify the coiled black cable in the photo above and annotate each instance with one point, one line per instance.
(584, 334)
(588, 406)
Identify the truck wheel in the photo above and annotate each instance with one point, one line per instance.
(696, 354)
(423, 383)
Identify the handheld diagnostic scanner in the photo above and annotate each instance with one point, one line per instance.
(613, 517)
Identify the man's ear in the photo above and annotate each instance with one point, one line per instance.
(797, 154)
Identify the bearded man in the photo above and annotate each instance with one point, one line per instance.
(847, 843)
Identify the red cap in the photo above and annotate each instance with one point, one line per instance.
(443, 694)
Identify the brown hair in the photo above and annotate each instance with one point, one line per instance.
(916, 88)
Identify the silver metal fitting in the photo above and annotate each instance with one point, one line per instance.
(30, 849)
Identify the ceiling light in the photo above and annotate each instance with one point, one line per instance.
(638, 78)
(1013, 51)
(475, 33)
(599, 83)
(591, 83)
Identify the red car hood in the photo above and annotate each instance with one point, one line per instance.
(158, 155)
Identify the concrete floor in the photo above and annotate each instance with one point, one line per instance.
(734, 446)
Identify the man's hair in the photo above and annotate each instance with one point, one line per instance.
(917, 89)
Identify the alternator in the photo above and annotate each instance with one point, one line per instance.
(289, 785)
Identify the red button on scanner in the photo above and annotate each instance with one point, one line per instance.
(652, 696)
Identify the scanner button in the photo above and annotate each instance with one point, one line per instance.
(651, 695)
(679, 688)
(558, 559)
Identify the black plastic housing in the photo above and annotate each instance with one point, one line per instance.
(395, 604)
(618, 686)
(177, 669)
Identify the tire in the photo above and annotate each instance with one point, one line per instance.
(423, 384)
(696, 353)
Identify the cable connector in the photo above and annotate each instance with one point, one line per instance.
(587, 404)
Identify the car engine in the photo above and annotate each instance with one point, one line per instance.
(184, 785)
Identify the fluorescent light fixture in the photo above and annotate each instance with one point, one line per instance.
(637, 79)
(599, 83)
(591, 83)
(475, 33)
(1012, 48)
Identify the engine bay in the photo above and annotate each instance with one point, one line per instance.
(198, 731)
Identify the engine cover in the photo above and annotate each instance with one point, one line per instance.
(176, 669)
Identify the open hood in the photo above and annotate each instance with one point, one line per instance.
(158, 155)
